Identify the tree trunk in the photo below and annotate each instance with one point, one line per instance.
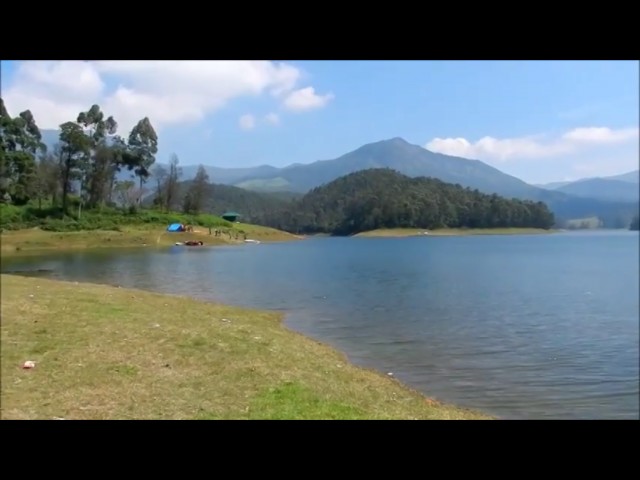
(65, 186)
(111, 183)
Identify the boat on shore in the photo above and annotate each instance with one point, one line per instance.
(191, 243)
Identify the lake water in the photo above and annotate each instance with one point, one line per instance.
(520, 327)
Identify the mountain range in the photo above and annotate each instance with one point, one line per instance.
(623, 187)
(603, 197)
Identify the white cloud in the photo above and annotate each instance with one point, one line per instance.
(600, 135)
(573, 141)
(306, 99)
(247, 122)
(272, 118)
(168, 92)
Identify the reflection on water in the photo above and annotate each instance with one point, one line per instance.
(519, 326)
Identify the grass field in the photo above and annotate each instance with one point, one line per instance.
(109, 353)
(411, 232)
(29, 229)
(36, 241)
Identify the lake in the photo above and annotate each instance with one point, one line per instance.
(521, 327)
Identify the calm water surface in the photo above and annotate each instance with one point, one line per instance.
(517, 326)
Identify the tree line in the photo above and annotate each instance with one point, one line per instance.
(86, 162)
(372, 199)
(255, 207)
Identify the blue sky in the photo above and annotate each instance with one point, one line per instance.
(540, 121)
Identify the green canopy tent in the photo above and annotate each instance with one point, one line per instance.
(230, 216)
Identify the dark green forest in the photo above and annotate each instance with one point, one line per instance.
(383, 198)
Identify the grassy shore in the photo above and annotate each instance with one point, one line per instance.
(35, 240)
(412, 232)
(110, 353)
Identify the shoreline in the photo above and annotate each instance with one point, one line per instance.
(35, 241)
(312, 361)
(451, 232)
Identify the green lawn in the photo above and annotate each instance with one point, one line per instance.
(110, 353)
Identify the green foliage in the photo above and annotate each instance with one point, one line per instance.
(143, 145)
(372, 199)
(255, 207)
(383, 198)
(14, 217)
(583, 223)
(85, 161)
(20, 141)
(22, 171)
(102, 161)
(194, 198)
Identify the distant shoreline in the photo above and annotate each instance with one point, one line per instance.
(450, 232)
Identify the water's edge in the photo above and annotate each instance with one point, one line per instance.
(285, 317)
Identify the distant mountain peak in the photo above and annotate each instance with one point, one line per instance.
(395, 143)
(398, 140)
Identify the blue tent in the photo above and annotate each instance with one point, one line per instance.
(174, 227)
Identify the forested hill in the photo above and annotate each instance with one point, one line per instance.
(384, 198)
